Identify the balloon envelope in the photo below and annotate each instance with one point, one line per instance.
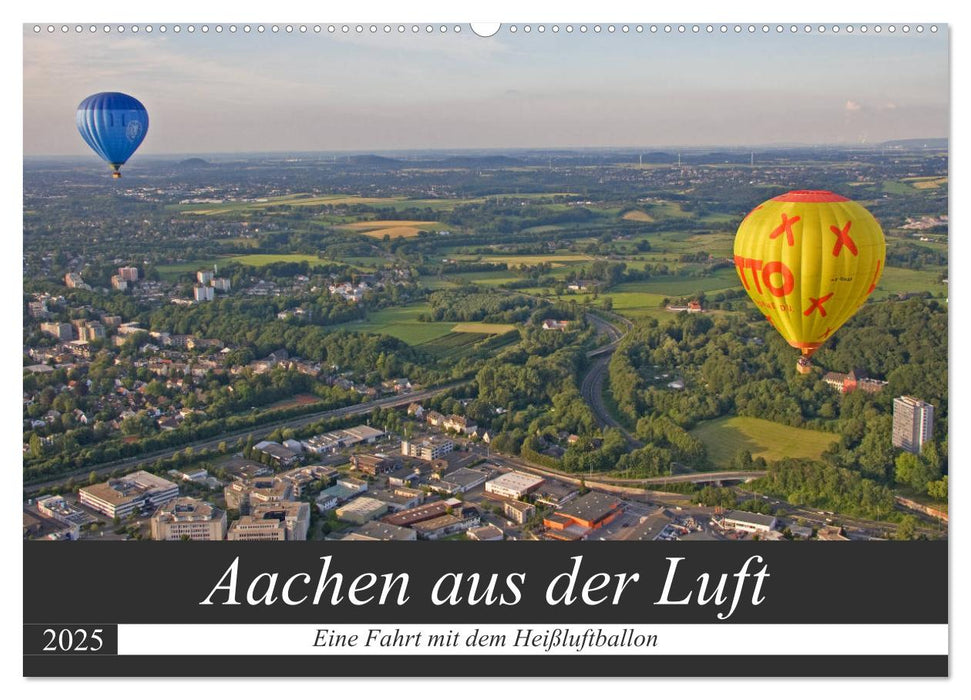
(114, 125)
(809, 259)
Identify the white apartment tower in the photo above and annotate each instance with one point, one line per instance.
(913, 423)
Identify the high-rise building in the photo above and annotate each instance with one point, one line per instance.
(61, 331)
(204, 276)
(913, 423)
(129, 274)
(120, 283)
(202, 293)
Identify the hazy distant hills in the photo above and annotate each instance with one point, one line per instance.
(916, 143)
(193, 163)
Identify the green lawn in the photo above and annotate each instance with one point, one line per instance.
(724, 437)
(401, 322)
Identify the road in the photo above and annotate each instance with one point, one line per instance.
(258, 432)
(592, 384)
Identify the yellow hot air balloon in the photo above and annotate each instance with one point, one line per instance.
(809, 259)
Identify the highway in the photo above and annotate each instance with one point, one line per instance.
(258, 433)
(592, 384)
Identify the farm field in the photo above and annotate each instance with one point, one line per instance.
(400, 322)
(395, 228)
(898, 280)
(925, 183)
(293, 200)
(520, 260)
(724, 437)
(679, 285)
(172, 272)
(486, 328)
(638, 215)
(635, 305)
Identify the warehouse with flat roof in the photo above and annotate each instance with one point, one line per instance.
(514, 485)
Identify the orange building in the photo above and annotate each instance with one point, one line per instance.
(579, 518)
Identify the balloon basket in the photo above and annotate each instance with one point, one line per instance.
(116, 175)
(804, 365)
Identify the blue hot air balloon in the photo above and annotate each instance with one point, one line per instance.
(113, 124)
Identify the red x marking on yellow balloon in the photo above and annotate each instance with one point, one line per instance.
(785, 226)
(843, 238)
(817, 304)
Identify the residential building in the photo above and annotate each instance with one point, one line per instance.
(514, 485)
(129, 274)
(61, 331)
(913, 423)
(518, 511)
(279, 521)
(73, 280)
(92, 330)
(204, 277)
(221, 284)
(189, 518)
(431, 448)
(434, 418)
(133, 492)
(459, 424)
(552, 324)
(119, 283)
(37, 309)
(201, 293)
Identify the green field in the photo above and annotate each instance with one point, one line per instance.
(679, 285)
(635, 304)
(172, 272)
(520, 260)
(724, 437)
(897, 280)
(402, 323)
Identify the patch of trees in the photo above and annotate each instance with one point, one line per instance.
(818, 485)
(467, 305)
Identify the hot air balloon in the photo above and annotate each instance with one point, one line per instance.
(809, 259)
(114, 125)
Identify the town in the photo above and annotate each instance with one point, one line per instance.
(486, 347)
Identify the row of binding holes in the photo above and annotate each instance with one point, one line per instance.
(723, 28)
(247, 29)
(443, 29)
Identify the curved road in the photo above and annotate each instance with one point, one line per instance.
(592, 384)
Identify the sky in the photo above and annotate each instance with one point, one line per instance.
(239, 92)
